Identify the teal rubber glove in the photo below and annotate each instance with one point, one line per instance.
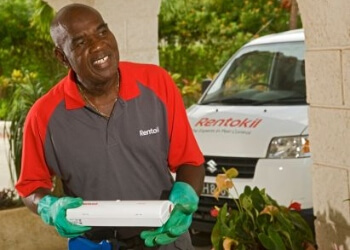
(185, 200)
(52, 211)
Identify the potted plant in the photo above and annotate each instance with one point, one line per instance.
(9, 199)
(258, 222)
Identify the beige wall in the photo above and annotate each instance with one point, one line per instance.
(327, 33)
(133, 22)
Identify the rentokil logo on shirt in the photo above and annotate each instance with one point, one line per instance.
(150, 131)
(229, 122)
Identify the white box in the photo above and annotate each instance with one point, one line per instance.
(150, 213)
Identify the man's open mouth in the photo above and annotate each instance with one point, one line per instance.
(100, 60)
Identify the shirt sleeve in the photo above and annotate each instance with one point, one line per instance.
(183, 149)
(34, 172)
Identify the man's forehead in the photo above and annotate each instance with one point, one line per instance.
(76, 28)
(78, 22)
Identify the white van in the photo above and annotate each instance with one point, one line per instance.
(254, 117)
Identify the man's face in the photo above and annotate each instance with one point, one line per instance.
(90, 47)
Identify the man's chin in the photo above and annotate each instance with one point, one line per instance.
(106, 74)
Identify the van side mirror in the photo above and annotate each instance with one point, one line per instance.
(205, 84)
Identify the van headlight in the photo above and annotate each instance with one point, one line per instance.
(289, 147)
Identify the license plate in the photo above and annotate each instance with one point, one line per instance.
(209, 188)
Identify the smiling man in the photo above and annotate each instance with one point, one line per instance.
(109, 130)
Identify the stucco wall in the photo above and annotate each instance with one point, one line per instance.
(326, 25)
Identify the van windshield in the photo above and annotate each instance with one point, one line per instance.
(266, 74)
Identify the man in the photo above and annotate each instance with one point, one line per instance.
(109, 130)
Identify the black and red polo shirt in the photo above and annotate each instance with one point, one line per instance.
(127, 156)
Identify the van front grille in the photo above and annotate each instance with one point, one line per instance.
(245, 166)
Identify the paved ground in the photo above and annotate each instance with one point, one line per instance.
(5, 179)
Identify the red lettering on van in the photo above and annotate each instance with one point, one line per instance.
(229, 122)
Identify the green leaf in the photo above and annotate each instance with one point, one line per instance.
(300, 225)
(258, 200)
(216, 235)
(263, 222)
(224, 222)
(277, 240)
(266, 241)
(247, 191)
(246, 202)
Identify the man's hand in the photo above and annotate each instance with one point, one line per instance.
(185, 200)
(52, 211)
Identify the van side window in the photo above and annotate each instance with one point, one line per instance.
(263, 74)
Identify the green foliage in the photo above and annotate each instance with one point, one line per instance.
(26, 42)
(27, 65)
(259, 222)
(14, 14)
(190, 90)
(24, 89)
(198, 37)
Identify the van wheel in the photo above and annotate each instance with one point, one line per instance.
(200, 239)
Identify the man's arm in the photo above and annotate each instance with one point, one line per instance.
(32, 200)
(192, 175)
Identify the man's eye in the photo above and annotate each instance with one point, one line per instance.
(81, 43)
(102, 32)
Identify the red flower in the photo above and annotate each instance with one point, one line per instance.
(214, 212)
(295, 206)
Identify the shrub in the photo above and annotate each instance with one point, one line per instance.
(259, 222)
(9, 199)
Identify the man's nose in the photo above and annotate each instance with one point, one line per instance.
(96, 43)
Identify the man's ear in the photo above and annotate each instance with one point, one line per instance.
(61, 57)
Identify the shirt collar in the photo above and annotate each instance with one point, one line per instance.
(72, 95)
(128, 88)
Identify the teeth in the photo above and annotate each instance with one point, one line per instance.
(100, 61)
